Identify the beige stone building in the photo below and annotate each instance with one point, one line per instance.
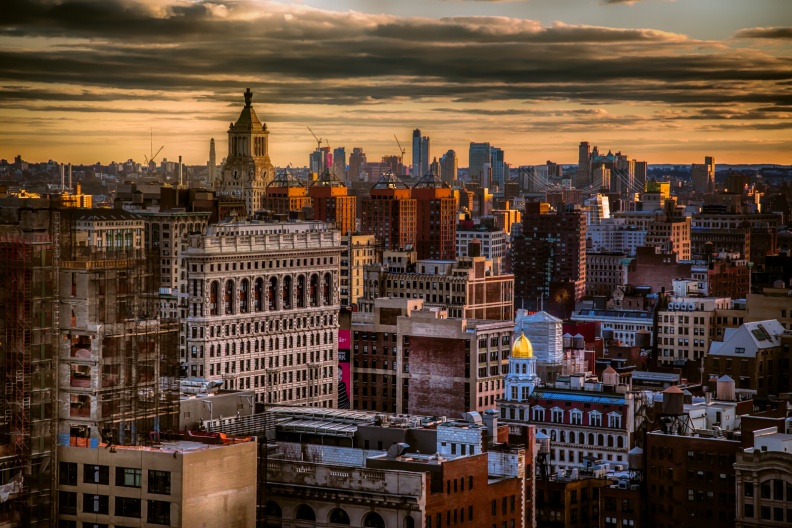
(687, 327)
(262, 309)
(205, 482)
(466, 288)
(764, 481)
(358, 252)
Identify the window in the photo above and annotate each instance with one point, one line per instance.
(159, 482)
(67, 503)
(67, 473)
(96, 504)
(576, 417)
(749, 489)
(96, 474)
(158, 511)
(127, 507)
(128, 477)
(557, 415)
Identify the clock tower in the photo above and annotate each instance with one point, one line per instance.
(247, 169)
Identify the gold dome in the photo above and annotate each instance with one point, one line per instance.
(522, 348)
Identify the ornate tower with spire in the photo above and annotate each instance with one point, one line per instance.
(521, 379)
(248, 168)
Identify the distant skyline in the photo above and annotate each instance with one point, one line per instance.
(662, 81)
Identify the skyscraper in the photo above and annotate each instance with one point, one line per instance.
(420, 154)
(583, 174)
(339, 162)
(389, 213)
(436, 228)
(449, 167)
(499, 174)
(703, 175)
(212, 165)
(479, 155)
(551, 250)
(356, 160)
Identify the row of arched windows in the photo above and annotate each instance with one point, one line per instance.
(338, 516)
(231, 297)
(583, 439)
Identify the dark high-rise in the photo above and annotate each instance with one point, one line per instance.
(548, 255)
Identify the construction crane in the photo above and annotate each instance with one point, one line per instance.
(150, 159)
(318, 140)
(400, 147)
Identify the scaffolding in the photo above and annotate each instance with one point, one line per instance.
(27, 274)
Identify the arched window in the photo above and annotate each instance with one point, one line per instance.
(327, 290)
(610, 440)
(373, 520)
(271, 289)
(409, 522)
(287, 292)
(339, 516)
(272, 509)
(304, 513)
(244, 292)
(581, 438)
(273, 515)
(562, 437)
(313, 291)
(214, 295)
(301, 291)
(258, 294)
(228, 298)
(619, 441)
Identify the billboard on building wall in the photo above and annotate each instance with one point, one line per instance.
(344, 369)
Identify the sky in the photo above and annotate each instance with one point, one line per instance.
(86, 81)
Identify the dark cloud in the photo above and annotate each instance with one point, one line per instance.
(133, 50)
(765, 33)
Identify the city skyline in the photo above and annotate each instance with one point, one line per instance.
(87, 82)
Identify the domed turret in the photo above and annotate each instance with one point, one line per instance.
(522, 348)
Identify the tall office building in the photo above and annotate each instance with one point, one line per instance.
(550, 250)
(436, 226)
(356, 160)
(332, 203)
(420, 154)
(339, 162)
(499, 171)
(583, 174)
(449, 167)
(702, 175)
(389, 213)
(320, 159)
(212, 165)
(248, 168)
(479, 155)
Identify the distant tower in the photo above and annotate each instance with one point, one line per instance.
(449, 167)
(583, 175)
(212, 165)
(478, 156)
(702, 175)
(420, 154)
(499, 177)
(339, 162)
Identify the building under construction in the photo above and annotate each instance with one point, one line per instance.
(85, 358)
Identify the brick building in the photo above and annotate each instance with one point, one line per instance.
(411, 359)
(756, 356)
(285, 194)
(390, 213)
(332, 203)
(372, 469)
(605, 271)
(551, 249)
(435, 218)
(466, 287)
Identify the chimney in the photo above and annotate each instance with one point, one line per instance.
(180, 171)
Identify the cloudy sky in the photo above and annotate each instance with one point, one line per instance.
(663, 81)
